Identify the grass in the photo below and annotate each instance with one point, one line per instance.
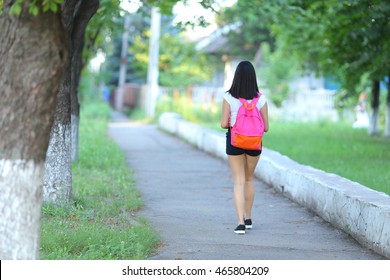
(333, 147)
(102, 222)
(138, 115)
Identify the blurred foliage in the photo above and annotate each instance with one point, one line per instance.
(347, 40)
(104, 33)
(104, 24)
(181, 104)
(140, 23)
(180, 64)
(344, 38)
(166, 7)
(252, 28)
(276, 71)
(89, 87)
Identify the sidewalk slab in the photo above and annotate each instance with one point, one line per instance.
(188, 196)
(361, 212)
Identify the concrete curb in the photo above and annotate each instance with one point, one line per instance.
(361, 212)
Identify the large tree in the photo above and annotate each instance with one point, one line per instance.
(33, 54)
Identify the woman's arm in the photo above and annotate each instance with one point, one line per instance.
(225, 122)
(264, 115)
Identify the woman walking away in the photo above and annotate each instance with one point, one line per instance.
(244, 92)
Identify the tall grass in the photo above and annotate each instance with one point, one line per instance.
(102, 221)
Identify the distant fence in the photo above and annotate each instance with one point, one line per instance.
(133, 96)
(311, 105)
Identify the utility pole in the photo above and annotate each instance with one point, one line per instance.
(152, 87)
(123, 65)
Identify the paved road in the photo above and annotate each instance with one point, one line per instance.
(188, 200)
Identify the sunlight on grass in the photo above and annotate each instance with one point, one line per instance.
(335, 148)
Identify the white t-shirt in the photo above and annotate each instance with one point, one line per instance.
(235, 104)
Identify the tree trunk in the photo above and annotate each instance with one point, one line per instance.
(387, 120)
(373, 128)
(57, 188)
(68, 10)
(257, 57)
(85, 12)
(33, 51)
(64, 134)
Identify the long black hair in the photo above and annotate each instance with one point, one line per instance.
(244, 82)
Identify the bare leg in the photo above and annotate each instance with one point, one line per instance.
(250, 166)
(237, 165)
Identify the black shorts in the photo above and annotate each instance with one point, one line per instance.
(234, 151)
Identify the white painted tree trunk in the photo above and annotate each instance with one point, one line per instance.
(58, 166)
(75, 122)
(387, 121)
(373, 128)
(20, 203)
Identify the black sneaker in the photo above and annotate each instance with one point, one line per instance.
(240, 229)
(248, 224)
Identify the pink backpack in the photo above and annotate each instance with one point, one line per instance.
(247, 132)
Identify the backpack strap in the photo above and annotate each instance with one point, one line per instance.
(254, 100)
(257, 98)
(247, 105)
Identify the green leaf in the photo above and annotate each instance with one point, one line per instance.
(53, 7)
(16, 9)
(33, 10)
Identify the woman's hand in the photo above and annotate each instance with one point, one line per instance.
(225, 121)
(264, 116)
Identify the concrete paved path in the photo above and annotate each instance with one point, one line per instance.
(189, 201)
